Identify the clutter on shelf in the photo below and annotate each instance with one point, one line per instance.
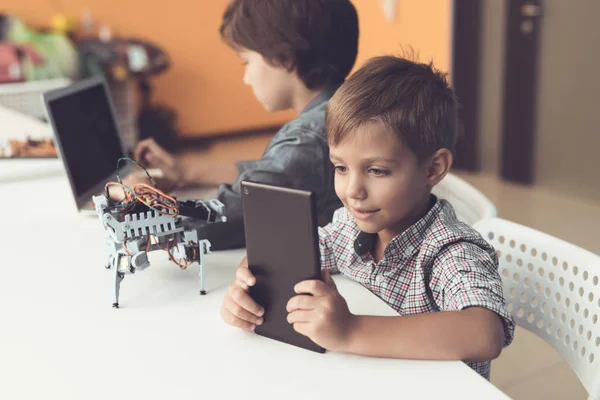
(27, 54)
(34, 60)
(29, 148)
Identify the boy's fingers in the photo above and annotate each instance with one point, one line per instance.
(158, 152)
(243, 299)
(142, 149)
(302, 328)
(244, 275)
(139, 150)
(231, 319)
(299, 316)
(302, 303)
(149, 153)
(244, 262)
(314, 287)
(158, 158)
(239, 312)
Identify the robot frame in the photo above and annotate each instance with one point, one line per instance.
(145, 214)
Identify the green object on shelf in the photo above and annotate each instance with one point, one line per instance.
(59, 55)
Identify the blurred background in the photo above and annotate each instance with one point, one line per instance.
(524, 72)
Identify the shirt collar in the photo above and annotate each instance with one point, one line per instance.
(322, 97)
(408, 242)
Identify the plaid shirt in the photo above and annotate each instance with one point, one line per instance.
(438, 264)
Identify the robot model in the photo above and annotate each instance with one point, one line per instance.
(147, 220)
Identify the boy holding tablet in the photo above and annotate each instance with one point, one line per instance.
(391, 130)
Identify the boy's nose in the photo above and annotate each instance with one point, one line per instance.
(356, 189)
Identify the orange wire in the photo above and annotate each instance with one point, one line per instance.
(150, 196)
(126, 249)
(183, 265)
(153, 197)
(168, 250)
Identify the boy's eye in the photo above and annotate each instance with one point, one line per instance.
(378, 172)
(340, 168)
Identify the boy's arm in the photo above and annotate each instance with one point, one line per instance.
(295, 161)
(292, 161)
(464, 275)
(197, 170)
(474, 334)
(473, 324)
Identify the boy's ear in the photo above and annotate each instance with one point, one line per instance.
(439, 165)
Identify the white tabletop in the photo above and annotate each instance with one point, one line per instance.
(21, 169)
(60, 337)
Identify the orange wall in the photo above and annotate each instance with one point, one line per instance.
(205, 84)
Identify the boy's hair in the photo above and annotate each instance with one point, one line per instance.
(317, 38)
(414, 100)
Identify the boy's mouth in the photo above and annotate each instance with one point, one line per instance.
(363, 213)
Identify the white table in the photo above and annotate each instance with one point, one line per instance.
(60, 338)
(19, 170)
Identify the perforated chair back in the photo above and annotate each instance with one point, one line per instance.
(552, 289)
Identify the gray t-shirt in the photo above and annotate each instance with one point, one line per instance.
(296, 157)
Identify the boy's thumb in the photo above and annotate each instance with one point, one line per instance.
(326, 275)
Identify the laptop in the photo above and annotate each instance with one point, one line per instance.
(87, 138)
(283, 249)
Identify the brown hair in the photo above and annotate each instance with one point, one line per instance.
(412, 99)
(317, 38)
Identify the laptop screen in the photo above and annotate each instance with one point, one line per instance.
(88, 135)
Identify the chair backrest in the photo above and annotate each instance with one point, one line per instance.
(469, 203)
(552, 289)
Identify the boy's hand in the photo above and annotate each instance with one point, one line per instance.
(323, 317)
(239, 309)
(151, 155)
(117, 193)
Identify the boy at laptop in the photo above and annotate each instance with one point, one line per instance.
(296, 54)
(391, 129)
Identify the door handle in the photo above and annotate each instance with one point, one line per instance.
(530, 10)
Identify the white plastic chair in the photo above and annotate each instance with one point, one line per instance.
(552, 290)
(469, 203)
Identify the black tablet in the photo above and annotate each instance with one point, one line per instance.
(283, 249)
